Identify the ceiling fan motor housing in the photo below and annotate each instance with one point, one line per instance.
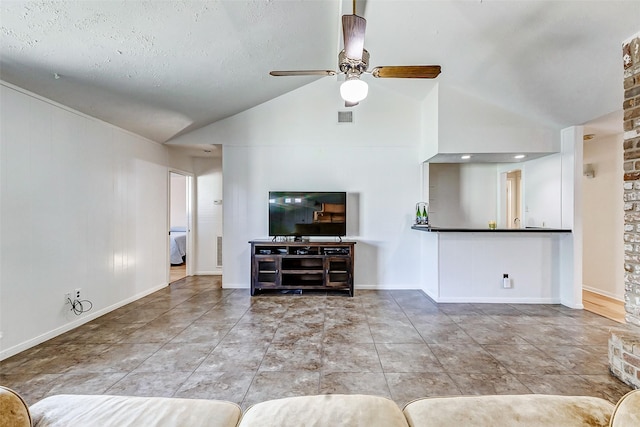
(353, 67)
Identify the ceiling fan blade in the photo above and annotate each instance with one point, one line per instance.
(350, 104)
(304, 73)
(353, 28)
(407, 72)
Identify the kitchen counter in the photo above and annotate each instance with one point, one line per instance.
(488, 230)
(469, 265)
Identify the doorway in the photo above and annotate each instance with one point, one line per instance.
(180, 248)
(513, 199)
(510, 201)
(603, 226)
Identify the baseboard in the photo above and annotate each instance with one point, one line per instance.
(11, 351)
(603, 293)
(479, 300)
(487, 300)
(208, 273)
(574, 306)
(386, 288)
(430, 295)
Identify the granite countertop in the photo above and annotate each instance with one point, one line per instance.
(488, 230)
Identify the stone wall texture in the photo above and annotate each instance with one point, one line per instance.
(624, 347)
(631, 106)
(624, 357)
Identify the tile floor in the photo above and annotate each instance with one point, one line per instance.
(195, 340)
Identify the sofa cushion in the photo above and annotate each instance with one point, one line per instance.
(627, 411)
(121, 411)
(533, 410)
(14, 412)
(325, 410)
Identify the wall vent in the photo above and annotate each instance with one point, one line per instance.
(345, 116)
(219, 251)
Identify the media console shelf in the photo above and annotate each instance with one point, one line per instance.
(313, 265)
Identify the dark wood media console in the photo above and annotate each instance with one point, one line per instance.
(301, 265)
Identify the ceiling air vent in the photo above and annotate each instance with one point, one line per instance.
(345, 116)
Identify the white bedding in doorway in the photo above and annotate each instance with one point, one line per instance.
(178, 245)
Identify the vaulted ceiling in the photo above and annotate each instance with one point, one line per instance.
(163, 68)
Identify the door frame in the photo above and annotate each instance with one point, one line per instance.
(503, 200)
(190, 223)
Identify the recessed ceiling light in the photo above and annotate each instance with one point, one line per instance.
(519, 156)
(465, 156)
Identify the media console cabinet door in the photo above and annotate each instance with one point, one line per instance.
(265, 272)
(338, 272)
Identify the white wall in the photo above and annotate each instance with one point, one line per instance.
(180, 159)
(470, 125)
(208, 217)
(471, 267)
(444, 195)
(82, 205)
(295, 143)
(462, 195)
(603, 218)
(430, 121)
(542, 191)
(178, 205)
(571, 202)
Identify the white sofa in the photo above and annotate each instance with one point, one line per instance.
(319, 411)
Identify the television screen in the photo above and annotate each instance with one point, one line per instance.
(298, 213)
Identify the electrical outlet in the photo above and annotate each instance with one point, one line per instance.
(506, 282)
(77, 293)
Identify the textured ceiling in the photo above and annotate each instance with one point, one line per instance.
(164, 68)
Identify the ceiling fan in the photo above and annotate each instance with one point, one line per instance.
(353, 61)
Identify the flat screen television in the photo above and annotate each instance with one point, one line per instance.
(307, 213)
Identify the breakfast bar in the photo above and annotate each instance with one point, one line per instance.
(474, 265)
(490, 230)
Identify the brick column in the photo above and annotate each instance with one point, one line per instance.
(631, 106)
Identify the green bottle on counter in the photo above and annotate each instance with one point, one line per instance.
(425, 216)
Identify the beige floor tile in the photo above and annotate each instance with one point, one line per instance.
(160, 384)
(483, 384)
(277, 385)
(194, 339)
(406, 387)
(229, 386)
(354, 383)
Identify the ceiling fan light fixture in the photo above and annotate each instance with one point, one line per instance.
(354, 90)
